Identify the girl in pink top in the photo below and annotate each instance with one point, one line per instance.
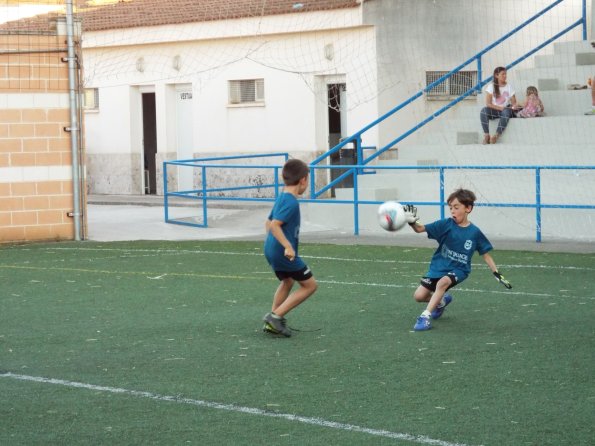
(533, 106)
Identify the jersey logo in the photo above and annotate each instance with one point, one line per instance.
(468, 245)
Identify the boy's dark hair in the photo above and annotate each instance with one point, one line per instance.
(465, 197)
(293, 171)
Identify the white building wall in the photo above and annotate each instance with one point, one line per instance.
(382, 51)
(290, 120)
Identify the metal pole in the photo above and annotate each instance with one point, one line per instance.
(165, 193)
(537, 204)
(204, 197)
(584, 17)
(74, 129)
(442, 193)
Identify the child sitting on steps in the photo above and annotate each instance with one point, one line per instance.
(533, 106)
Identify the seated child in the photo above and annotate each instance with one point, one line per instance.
(533, 106)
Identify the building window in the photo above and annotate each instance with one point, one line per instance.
(250, 91)
(453, 87)
(91, 99)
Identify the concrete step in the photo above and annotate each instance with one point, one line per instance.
(566, 60)
(563, 130)
(502, 153)
(578, 46)
(551, 78)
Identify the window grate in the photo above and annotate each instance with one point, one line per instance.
(453, 87)
(248, 91)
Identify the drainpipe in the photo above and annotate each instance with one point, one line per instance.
(74, 128)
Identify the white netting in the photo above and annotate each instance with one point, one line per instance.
(361, 58)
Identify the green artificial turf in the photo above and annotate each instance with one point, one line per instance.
(181, 321)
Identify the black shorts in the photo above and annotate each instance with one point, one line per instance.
(430, 282)
(299, 275)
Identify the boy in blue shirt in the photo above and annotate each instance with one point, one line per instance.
(281, 249)
(458, 239)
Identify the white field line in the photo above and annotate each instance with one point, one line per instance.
(233, 408)
(338, 259)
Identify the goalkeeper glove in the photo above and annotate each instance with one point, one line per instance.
(500, 278)
(410, 214)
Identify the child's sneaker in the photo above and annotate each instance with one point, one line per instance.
(591, 112)
(422, 324)
(275, 326)
(440, 308)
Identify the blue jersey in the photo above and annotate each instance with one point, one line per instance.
(287, 210)
(456, 246)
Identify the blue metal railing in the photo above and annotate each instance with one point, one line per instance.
(538, 205)
(356, 138)
(203, 194)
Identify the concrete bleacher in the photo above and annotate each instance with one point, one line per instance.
(564, 137)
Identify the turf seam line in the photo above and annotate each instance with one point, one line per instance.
(233, 408)
(340, 259)
(148, 274)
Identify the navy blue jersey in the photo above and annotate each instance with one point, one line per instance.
(456, 246)
(287, 210)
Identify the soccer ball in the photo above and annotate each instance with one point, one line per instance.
(391, 216)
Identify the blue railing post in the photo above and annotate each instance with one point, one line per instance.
(355, 203)
(442, 192)
(479, 74)
(165, 196)
(204, 196)
(276, 176)
(359, 155)
(538, 204)
(584, 19)
(312, 183)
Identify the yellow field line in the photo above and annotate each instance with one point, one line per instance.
(140, 273)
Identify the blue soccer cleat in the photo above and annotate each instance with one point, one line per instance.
(422, 324)
(440, 308)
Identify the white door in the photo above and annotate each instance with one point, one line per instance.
(184, 132)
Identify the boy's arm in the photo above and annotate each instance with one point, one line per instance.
(499, 277)
(275, 228)
(267, 226)
(418, 227)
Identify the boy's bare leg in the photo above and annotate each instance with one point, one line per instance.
(282, 292)
(422, 294)
(306, 289)
(441, 288)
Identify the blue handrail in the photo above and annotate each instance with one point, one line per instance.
(356, 138)
(203, 194)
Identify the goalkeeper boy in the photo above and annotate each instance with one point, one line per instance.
(458, 239)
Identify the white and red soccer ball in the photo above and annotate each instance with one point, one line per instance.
(391, 216)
